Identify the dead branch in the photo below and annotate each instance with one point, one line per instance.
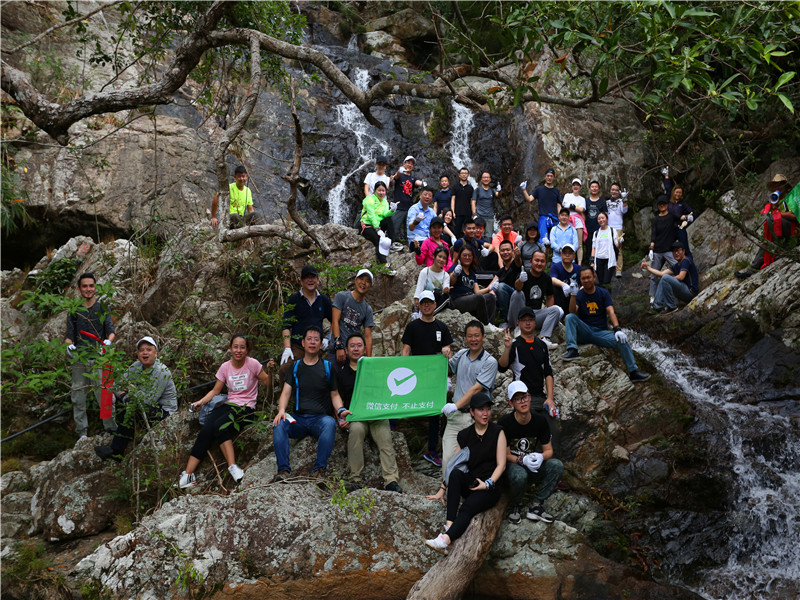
(243, 233)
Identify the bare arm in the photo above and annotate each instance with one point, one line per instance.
(463, 402)
(214, 207)
(207, 398)
(283, 402)
(406, 350)
(368, 341)
(612, 316)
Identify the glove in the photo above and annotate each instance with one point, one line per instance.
(546, 242)
(70, 349)
(449, 408)
(324, 344)
(287, 356)
(650, 255)
(419, 218)
(665, 171)
(484, 252)
(523, 185)
(523, 276)
(415, 315)
(533, 461)
(573, 289)
(475, 216)
(498, 187)
(494, 285)
(458, 270)
(620, 336)
(403, 170)
(624, 194)
(689, 219)
(393, 206)
(106, 342)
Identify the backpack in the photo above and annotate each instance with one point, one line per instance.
(297, 381)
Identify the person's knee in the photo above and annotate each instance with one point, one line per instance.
(571, 319)
(554, 466)
(517, 477)
(280, 433)
(327, 428)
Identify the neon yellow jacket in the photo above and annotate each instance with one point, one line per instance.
(375, 210)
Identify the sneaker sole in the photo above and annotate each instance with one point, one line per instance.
(517, 522)
(433, 462)
(441, 307)
(535, 517)
(570, 357)
(439, 550)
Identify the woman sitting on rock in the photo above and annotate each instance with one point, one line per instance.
(448, 233)
(376, 219)
(475, 478)
(241, 374)
(434, 278)
(465, 293)
(530, 242)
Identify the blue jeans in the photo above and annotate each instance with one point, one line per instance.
(519, 478)
(579, 332)
(668, 289)
(321, 427)
(503, 292)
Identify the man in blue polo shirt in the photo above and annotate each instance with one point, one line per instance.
(684, 285)
(419, 219)
(590, 310)
(304, 308)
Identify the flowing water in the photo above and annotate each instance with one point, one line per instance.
(753, 547)
(368, 147)
(458, 146)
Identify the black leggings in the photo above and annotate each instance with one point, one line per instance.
(603, 272)
(474, 503)
(371, 234)
(213, 428)
(131, 417)
(481, 306)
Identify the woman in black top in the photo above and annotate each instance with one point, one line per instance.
(465, 293)
(479, 484)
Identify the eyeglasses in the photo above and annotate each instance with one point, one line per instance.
(519, 399)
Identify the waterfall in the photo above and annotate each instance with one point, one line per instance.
(759, 534)
(458, 146)
(368, 146)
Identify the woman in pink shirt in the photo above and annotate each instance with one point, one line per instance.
(429, 246)
(241, 374)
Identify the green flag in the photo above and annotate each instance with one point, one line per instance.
(399, 387)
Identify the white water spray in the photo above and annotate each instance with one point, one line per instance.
(368, 146)
(458, 146)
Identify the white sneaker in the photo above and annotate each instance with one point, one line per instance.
(652, 299)
(550, 345)
(187, 480)
(619, 274)
(397, 247)
(392, 273)
(439, 543)
(236, 472)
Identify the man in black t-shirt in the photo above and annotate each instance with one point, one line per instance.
(423, 337)
(404, 184)
(536, 290)
(379, 430)
(506, 277)
(461, 201)
(525, 432)
(312, 388)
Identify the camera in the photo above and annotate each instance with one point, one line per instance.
(775, 197)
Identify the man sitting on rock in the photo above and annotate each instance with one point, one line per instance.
(419, 220)
(312, 387)
(536, 290)
(379, 430)
(506, 277)
(472, 239)
(684, 285)
(525, 433)
(150, 397)
(590, 310)
(564, 275)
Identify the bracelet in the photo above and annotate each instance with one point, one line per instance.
(339, 412)
(338, 344)
(489, 484)
(616, 329)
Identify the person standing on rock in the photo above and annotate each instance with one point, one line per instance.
(441, 199)
(562, 233)
(351, 314)
(549, 203)
(680, 209)
(595, 204)
(529, 360)
(535, 291)
(427, 336)
(313, 389)
(662, 233)
(379, 430)
(379, 174)
(419, 220)
(577, 206)
(529, 458)
(617, 206)
(474, 370)
(591, 308)
(404, 184)
(376, 221)
(304, 308)
(241, 201)
(93, 318)
(241, 374)
(461, 202)
(483, 198)
(605, 242)
(149, 397)
(681, 282)
(478, 482)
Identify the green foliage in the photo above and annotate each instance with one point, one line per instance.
(358, 503)
(93, 589)
(13, 212)
(27, 573)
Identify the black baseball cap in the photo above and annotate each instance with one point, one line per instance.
(309, 271)
(382, 159)
(480, 399)
(678, 244)
(437, 221)
(526, 311)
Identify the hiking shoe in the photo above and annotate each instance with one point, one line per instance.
(107, 453)
(391, 273)
(393, 486)
(619, 274)
(636, 376)
(743, 274)
(536, 513)
(397, 247)
(669, 311)
(515, 516)
(187, 480)
(442, 306)
(571, 354)
(550, 345)
(236, 472)
(353, 486)
(652, 300)
(433, 457)
(281, 476)
(439, 543)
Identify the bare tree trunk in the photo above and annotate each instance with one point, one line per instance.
(452, 575)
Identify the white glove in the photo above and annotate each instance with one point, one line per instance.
(494, 285)
(106, 342)
(449, 408)
(498, 187)
(287, 355)
(624, 194)
(415, 315)
(523, 185)
(665, 171)
(533, 461)
(523, 276)
(458, 270)
(70, 349)
(324, 344)
(403, 170)
(689, 219)
(419, 218)
(573, 289)
(484, 252)
(621, 337)
(650, 255)
(393, 206)
(546, 242)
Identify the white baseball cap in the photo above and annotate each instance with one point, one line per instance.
(147, 339)
(515, 388)
(365, 272)
(427, 295)
(578, 181)
(410, 158)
